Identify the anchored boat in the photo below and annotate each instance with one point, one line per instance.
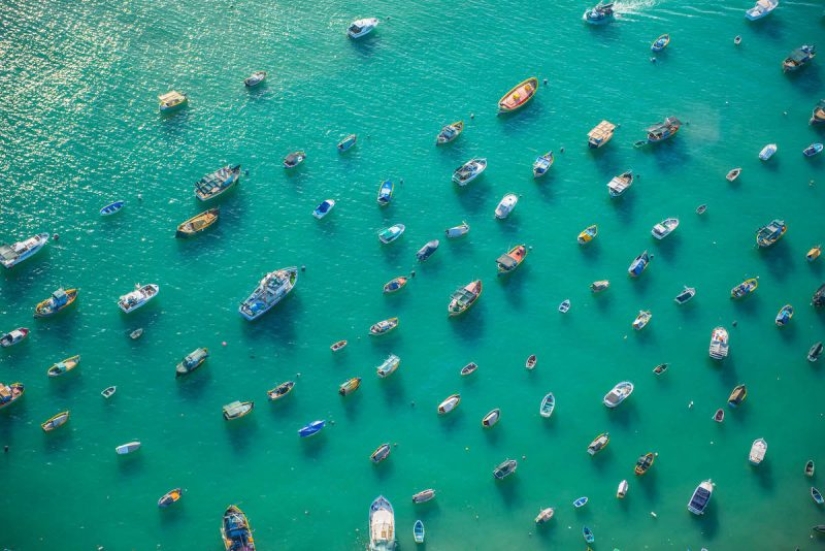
(270, 291)
(217, 183)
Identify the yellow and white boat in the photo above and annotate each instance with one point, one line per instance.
(814, 253)
(171, 101)
(588, 234)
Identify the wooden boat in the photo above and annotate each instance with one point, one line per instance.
(544, 515)
(449, 133)
(469, 171)
(768, 151)
(686, 294)
(770, 233)
(464, 297)
(701, 209)
(272, 289)
(323, 208)
(237, 409)
(818, 113)
(511, 260)
(54, 422)
(108, 392)
(294, 159)
(664, 228)
(815, 351)
(191, 362)
(385, 192)
(588, 234)
(718, 348)
(642, 320)
(784, 315)
(548, 404)
(63, 367)
(519, 96)
(418, 531)
(639, 264)
(600, 285)
(14, 254)
(11, 393)
(281, 390)
(236, 531)
(384, 326)
(530, 363)
(395, 284)
(758, 451)
(660, 43)
(761, 9)
(349, 386)
(810, 468)
(745, 288)
(799, 57)
(733, 174)
(661, 368)
(701, 497)
(619, 184)
(198, 223)
(564, 306)
(491, 418)
(133, 300)
(112, 208)
(813, 253)
(13, 337)
(311, 429)
(587, 533)
(170, 101)
(618, 394)
(505, 469)
(599, 443)
(664, 130)
(457, 231)
(381, 453)
(580, 502)
(59, 300)
(127, 448)
(388, 366)
(737, 395)
(719, 416)
(136, 334)
(388, 235)
(469, 369)
(621, 491)
(506, 206)
(170, 497)
(425, 252)
(600, 134)
(347, 143)
(423, 496)
(218, 182)
(542, 164)
(449, 404)
(644, 463)
(336, 346)
(254, 79)
(817, 496)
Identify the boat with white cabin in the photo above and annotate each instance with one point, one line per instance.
(11, 255)
(506, 206)
(362, 27)
(664, 228)
(619, 184)
(270, 291)
(137, 298)
(469, 171)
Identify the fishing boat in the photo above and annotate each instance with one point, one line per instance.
(664, 130)
(464, 297)
(564, 306)
(718, 348)
(338, 345)
(347, 143)
(719, 416)
(311, 429)
(660, 43)
(469, 171)
(236, 531)
(544, 515)
(784, 315)
(661, 368)
(818, 299)
(701, 209)
(218, 182)
(818, 113)
(11, 393)
(737, 395)
(768, 151)
(427, 250)
(588, 234)
(112, 208)
(108, 391)
(171, 101)
(511, 260)
(349, 386)
(388, 366)
(59, 300)
(254, 79)
(548, 404)
(270, 291)
(13, 337)
(384, 326)
(418, 531)
(127, 448)
(815, 351)
(281, 390)
(449, 404)
(294, 159)
(170, 497)
(506, 206)
(324, 208)
(817, 496)
(385, 192)
(770, 233)
(542, 164)
(639, 264)
(664, 228)
(600, 285)
(745, 288)
(56, 421)
(733, 174)
(644, 463)
(382, 525)
(530, 363)
(580, 502)
(798, 58)
(599, 443)
(685, 295)
(198, 223)
(388, 235)
(237, 409)
(191, 362)
(136, 334)
(491, 418)
(621, 491)
(519, 96)
(761, 9)
(381, 453)
(810, 467)
(469, 369)
(813, 149)
(642, 319)
(423, 496)
(701, 497)
(395, 284)
(505, 469)
(813, 253)
(449, 133)
(14, 254)
(362, 27)
(599, 14)
(600, 134)
(619, 184)
(819, 528)
(618, 394)
(63, 366)
(587, 533)
(758, 450)
(457, 231)
(141, 295)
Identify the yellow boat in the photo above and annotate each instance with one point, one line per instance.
(171, 101)
(56, 421)
(198, 223)
(519, 96)
(63, 367)
(814, 253)
(59, 300)
(588, 234)
(349, 386)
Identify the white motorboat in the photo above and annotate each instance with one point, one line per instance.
(618, 394)
(128, 447)
(382, 525)
(506, 206)
(457, 231)
(758, 451)
(324, 208)
(621, 491)
(564, 307)
(686, 294)
(137, 298)
(273, 287)
(718, 343)
(11, 255)
(664, 228)
(469, 171)
(362, 27)
(255, 79)
(761, 9)
(619, 184)
(767, 151)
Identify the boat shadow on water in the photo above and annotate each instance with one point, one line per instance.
(393, 390)
(242, 434)
(508, 489)
(779, 261)
(59, 440)
(626, 414)
(667, 248)
(384, 470)
(315, 445)
(623, 207)
(192, 386)
(473, 198)
(276, 325)
(130, 465)
(764, 475)
(352, 406)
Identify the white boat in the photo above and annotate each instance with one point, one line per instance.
(506, 206)
(564, 307)
(664, 228)
(388, 235)
(619, 184)
(761, 9)
(362, 27)
(172, 100)
(389, 366)
(544, 515)
(324, 208)
(469, 171)
(11, 255)
(718, 343)
(449, 404)
(254, 79)
(642, 320)
(700, 498)
(621, 491)
(137, 298)
(758, 450)
(548, 404)
(686, 294)
(382, 525)
(418, 531)
(457, 231)
(618, 394)
(598, 14)
(273, 287)
(767, 151)
(128, 447)
(112, 208)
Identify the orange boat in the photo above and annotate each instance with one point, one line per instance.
(511, 260)
(519, 96)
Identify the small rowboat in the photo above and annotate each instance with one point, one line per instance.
(813, 149)
(531, 361)
(170, 497)
(701, 209)
(381, 453)
(423, 496)
(644, 463)
(198, 223)
(737, 395)
(519, 96)
(347, 143)
(312, 428)
(733, 174)
(384, 326)
(395, 284)
(542, 164)
(108, 391)
(491, 418)
(580, 502)
(449, 404)
(719, 416)
(817, 496)
(544, 515)
(505, 469)
(814, 253)
(745, 288)
(469, 369)
(449, 133)
(622, 489)
(600, 285)
(660, 43)
(254, 79)
(587, 533)
(599, 443)
(457, 231)
(237, 409)
(336, 346)
(128, 447)
(564, 307)
(281, 390)
(171, 101)
(112, 208)
(810, 468)
(548, 404)
(659, 369)
(385, 192)
(349, 386)
(136, 334)
(418, 531)
(642, 319)
(588, 234)
(784, 315)
(55, 422)
(13, 337)
(63, 367)
(294, 159)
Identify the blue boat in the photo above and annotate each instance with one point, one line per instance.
(112, 208)
(813, 149)
(385, 192)
(581, 502)
(639, 264)
(418, 531)
(324, 208)
(588, 535)
(347, 143)
(311, 428)
(598, 14)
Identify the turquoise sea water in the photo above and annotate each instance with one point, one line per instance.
(80, 128)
